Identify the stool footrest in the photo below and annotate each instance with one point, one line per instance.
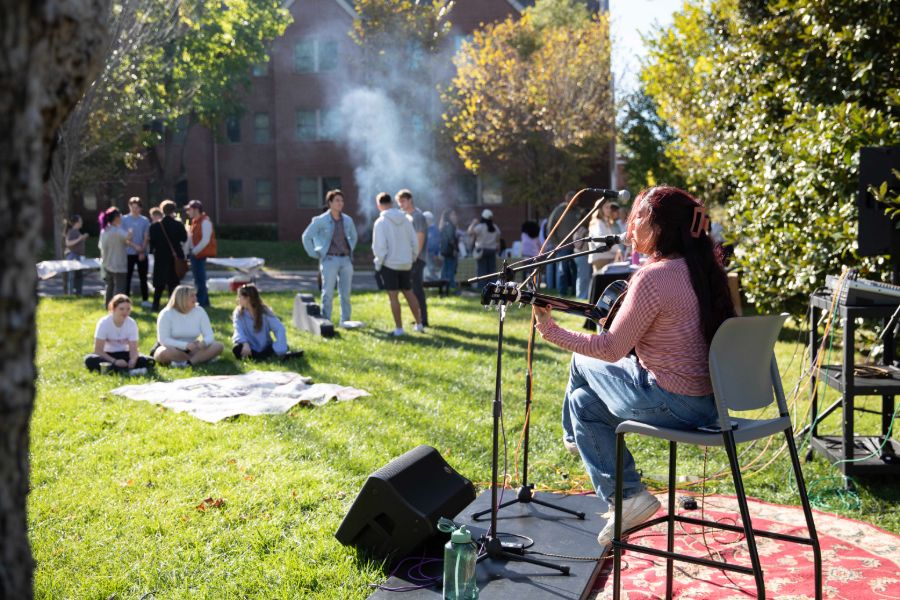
(715, 564)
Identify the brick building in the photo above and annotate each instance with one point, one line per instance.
(274, 163)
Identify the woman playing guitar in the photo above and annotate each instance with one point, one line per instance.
(675, 304)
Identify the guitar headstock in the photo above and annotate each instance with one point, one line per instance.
(498, 294)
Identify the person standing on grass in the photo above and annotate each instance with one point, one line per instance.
(184, 335)
(420, 225)
(330, 238)
(395, 246)
(116, 339)
(487, 243)
(113, 258)
(75, 251)
(139, 226)
(201, 245)
(166, 240)
(254, 327)
(449, 247)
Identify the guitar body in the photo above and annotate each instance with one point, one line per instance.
(601, 313)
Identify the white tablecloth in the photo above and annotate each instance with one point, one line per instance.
(48, 268)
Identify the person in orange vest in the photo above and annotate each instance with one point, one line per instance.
(201, 245)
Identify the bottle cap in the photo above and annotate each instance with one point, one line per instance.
(461, 536)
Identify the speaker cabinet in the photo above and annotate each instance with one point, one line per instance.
(399, 505)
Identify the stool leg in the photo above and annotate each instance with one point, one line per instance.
(617, 535)
(670, 537)
(731, 449)
(807, 511)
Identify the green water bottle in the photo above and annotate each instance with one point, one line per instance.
(460, 557)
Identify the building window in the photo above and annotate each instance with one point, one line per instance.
(233, 129)
(328, 125)
(491, 189)
(235, 193)
(261, 69)
(305, 56)
(327, 55)
(261, 128)
(308, 194)
(468, 189)
(312, 55)
(330, 183)
(264, 193)
(306, 124)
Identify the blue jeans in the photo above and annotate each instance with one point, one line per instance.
(565, 273)
(486, 264)
(448, 271)
(583, 277)
(198, 269)
(336, 270)
(601, 395)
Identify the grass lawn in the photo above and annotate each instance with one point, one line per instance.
(116, 484)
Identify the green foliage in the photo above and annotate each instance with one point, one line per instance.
(644, 139)
(771, 102)
(389, 23)
(532, 101)
(116, 484)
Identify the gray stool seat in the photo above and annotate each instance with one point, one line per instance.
(744, 377)
(745, 430)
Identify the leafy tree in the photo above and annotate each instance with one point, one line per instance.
(51, 50)
(770, 102)
(170, 62)
(532, 99)
(644, 139)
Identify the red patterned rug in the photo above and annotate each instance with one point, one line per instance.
(858, 560)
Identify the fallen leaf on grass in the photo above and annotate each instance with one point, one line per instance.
(210, 503)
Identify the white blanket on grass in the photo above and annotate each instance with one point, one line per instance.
(216, 397)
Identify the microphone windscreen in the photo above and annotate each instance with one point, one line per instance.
(624, 195)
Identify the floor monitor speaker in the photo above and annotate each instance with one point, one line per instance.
(399, 505)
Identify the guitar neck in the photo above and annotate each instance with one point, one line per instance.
(573, 307)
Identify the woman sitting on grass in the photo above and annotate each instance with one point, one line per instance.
(178, 326)
(116, 339)
(254, 326)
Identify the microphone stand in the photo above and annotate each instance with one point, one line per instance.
(490, 541)
(525, 492)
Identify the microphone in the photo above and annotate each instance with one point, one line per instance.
(609, 240)
(622, 195)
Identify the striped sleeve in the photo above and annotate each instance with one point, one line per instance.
(638, 311)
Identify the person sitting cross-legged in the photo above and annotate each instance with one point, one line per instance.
(254, 327)
(178, 327)
(116, 340)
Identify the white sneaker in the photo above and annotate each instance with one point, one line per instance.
(139, 371)
(180, 364)
(635, 510)
(398, 332)
(571, 447)
(419, 328)
(146, 304)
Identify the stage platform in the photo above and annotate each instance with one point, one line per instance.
(553, 532)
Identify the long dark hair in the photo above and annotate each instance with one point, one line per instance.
(674, 214)
(489, 223)
(257, 306)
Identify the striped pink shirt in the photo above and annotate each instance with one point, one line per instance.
(660, 319)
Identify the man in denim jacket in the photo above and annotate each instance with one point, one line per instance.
(331, 238)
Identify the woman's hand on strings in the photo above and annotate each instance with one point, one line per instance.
(542, 314)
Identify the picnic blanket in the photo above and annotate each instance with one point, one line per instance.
(216, 397)
(46, 269)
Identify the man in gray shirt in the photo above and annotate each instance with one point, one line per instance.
(405, 200)
(139, 226)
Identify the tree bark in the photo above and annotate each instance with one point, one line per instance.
(49, 52)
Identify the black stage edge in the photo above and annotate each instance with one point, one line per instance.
(553, 532)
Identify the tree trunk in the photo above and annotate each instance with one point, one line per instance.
(49, 52)
(59, 187)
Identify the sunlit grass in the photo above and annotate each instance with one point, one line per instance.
(116, 484)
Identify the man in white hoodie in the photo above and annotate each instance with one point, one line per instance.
(396, 246)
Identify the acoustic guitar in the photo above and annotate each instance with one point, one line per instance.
(602, 313)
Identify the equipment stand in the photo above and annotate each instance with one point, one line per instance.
(490, 541)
